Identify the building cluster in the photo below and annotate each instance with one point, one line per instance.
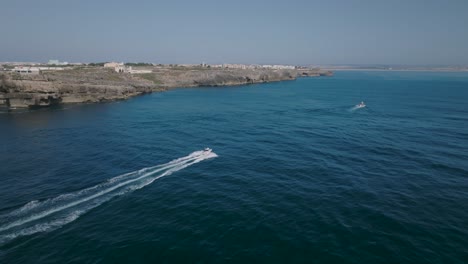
(57, 62)
(31, 70)
(279, 67)
(120, 67)
(27, 70)
(253, 66)
(240, 66)
(187, 65)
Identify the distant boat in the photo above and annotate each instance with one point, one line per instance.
(361, 105)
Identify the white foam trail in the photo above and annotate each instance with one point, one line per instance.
(40, 216)
(354, 108)
(25, 207)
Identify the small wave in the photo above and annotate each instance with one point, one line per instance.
(50, 214)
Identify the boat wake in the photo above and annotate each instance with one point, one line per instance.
(50, 214)
(354, 108)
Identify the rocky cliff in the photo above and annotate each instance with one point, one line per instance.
(71, 86)
(97, 84)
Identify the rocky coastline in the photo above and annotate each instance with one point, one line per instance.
(98, 84)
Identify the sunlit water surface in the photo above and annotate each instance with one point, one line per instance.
(296, 175)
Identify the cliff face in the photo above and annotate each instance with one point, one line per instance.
(74, 86)
(181, 78)
(99, 84)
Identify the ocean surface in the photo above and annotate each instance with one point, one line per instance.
(297, 175)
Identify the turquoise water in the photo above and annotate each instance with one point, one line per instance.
(299, 176)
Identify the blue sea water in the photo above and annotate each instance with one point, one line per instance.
(299, 177)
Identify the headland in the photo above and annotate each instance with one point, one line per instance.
(29, 87)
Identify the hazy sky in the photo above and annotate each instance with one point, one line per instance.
(236, 31)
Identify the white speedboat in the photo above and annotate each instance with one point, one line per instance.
(207, 150)
(361, 105)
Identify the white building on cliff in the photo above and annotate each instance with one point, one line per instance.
(117, 66)
(27, 70)
(121, 68)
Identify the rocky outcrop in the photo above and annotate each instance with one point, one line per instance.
(97, 84)
(77, 86)
(183, 77)
(248, 77)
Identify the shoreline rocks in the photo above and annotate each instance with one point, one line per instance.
(97, 84)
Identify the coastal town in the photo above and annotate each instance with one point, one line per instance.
(36, 68)
(121, 67)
